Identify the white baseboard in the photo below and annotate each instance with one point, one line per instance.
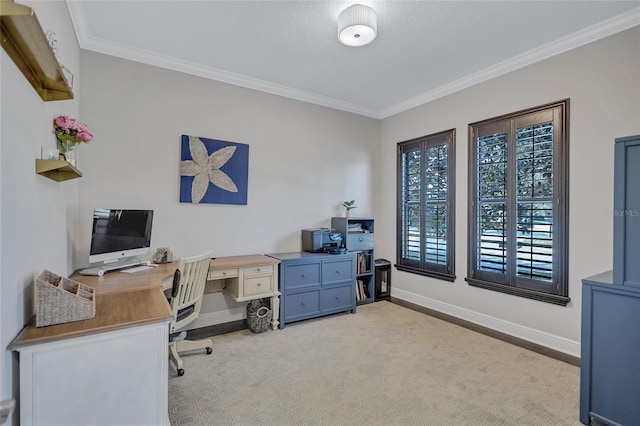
(548, 340)
(213, 318)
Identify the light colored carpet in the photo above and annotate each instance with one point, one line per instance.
(385, 365)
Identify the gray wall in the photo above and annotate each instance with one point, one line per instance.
(38, 219)
(303, 161)
(602, 80)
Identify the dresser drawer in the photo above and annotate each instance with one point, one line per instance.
(301, 275)
(301, 305)
(337, 270)
(360, 241)
(256, 285)
(218, 274)
(254, 270)
(337, 298)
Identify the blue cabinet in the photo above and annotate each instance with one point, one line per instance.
(315, 284)
(359, 238)
(610, 340)
(626, 211)
(610, 344)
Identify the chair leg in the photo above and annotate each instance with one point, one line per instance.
(175, 357)
(188, 345)
(176, 347)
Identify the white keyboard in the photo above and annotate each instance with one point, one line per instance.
(137, 269)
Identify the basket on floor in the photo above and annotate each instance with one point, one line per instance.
(60, 300)
(258, 316)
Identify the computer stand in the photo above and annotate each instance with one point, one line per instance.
(107, 267)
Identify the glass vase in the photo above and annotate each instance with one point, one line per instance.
(70, 156)
(67, 151)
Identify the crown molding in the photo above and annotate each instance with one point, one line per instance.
(598, 31)
(179, 65)
(96, 44)
(588, 35)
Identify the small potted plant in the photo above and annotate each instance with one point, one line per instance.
(348, 205)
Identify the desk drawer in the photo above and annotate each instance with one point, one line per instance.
(301, 275)
(337, 299)
(360, 241)
(254, 270)
(257, 285)
(337, 270)
(301, 305)
(218, 274)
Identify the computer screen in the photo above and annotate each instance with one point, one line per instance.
(119, 233)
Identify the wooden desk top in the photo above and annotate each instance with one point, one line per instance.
(240, 261)
(125, 300)
(162, 275)
(118, 281)
(114, 311)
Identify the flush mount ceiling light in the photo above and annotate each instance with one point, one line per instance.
(357, 25)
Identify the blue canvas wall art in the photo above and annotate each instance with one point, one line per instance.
(213, 171)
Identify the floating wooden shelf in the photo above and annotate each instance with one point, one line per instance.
(58, 170)
(25, 42)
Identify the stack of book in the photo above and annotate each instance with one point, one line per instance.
(361, 263)
(361, 291)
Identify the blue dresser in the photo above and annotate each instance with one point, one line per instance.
(626, 211)
(315, 284)
(610, 341)
(610, 344)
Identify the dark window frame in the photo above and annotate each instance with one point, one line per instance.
(555, 291)
(423, 267)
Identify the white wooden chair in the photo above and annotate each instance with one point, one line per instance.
(186, 299)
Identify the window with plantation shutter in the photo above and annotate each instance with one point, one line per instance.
(518, 203)
(425, 236)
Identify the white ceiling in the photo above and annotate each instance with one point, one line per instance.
(424, 49)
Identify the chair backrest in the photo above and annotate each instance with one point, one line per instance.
(189, 281)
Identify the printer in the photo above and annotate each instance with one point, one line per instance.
(322, 240)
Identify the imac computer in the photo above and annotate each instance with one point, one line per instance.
(117, 237)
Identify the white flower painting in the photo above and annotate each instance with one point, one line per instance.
(213, 171)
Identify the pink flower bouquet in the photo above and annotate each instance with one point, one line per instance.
(70, 132)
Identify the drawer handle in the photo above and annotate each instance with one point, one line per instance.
(302, 304)
(302, 276)
(337, 299)
(360, 239)
(258, 269)
(259, 284)
(337, 272)
(224, 273)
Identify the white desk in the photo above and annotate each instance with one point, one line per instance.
(243, 278)
(107, 370)
(246, 278)
(112, 369)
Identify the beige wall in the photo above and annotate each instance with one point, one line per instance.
(603, 82)
(37, 215)
(303, 161)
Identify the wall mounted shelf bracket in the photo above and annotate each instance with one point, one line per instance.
(25, 42)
